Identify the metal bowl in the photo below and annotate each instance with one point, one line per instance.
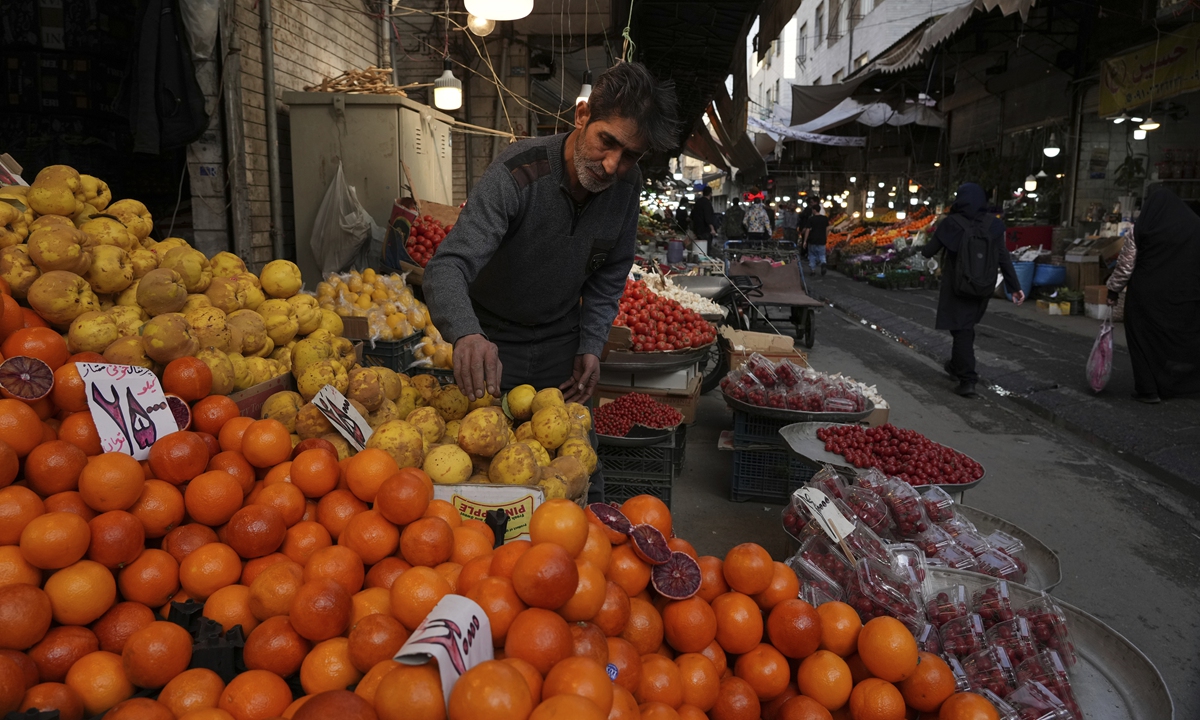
(624, 360)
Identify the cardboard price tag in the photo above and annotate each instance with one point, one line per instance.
(456, 633)
(474, 501)
(128, 407)
(342, 415)
(826, 514)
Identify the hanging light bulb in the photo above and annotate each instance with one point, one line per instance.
(891, 205)
(880, 184)
(500, 9)
(869, 213)
(707, 168)
(447, 90)
(1041, 174)
(481, 26)
(913, 186)
(937, 164)
(585, 92)
(1139, 134)
(1149, 124)
(1120, 119)
(856, 213)
(1052, 149)
(1030, 183)
(853, 179)
(1032, 195)
(1135, 119)
(900, 214)
(913, 200)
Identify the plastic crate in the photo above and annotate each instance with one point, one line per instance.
(651, 462)
(443, 375)
(392, 354)
(769, 475)
(680, 446)
(620, 489)
(756, 430)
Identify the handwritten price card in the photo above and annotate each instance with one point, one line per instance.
(457, 633)
(342, 415)
(128, 407)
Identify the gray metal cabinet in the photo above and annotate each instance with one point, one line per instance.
(371, 135)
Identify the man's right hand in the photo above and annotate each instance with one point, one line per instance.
(477, 368)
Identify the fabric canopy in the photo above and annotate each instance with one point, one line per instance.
(793, 134)
(772, 17)
(810, 102)
(912, 47)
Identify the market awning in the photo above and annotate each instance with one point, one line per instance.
(810, 102)
(872, 115)
(701, 145)
(911, 48)
(772, 17)
(817, 139)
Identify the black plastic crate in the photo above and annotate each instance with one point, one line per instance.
(680, 446)
(620, 489)
(769, 475)
(756, 430)
(652, 462)
(392, 354)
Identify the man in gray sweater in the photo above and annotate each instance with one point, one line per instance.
(526, 285)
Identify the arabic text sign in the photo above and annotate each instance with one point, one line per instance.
(342, 415)
(1158, 71)
(456, 633)
(826, 514)
(128, 407)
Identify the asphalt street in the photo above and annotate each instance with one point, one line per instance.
(1129, 545)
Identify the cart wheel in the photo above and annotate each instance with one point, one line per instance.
(714, 367)
(808, 328)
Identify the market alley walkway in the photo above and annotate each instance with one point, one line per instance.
(1038, 360)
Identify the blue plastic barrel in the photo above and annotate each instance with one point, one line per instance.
(1044, 274)
(674, 252)
(1024, 276)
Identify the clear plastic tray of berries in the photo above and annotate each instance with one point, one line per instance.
(909, 562)
(872, 479)
(789, 374)
(933, 540)
(963, 636)
(954, 556)
(993, 603)
(970, 540)
(1047, 668)
(1003, 709)
(805, 398)
(956, 522)
(794, 519)
(999, 564)
(810, 574)
(819, 550)
(862, 540)
(1010, 546)
(1034, 701)
(928, 638)
(1048, 624)
(961, 682)
(1015, 637)
(829, 482)
(763, 369)
(814, 595)
(739, 383)
(876, 591)
(870, 508)
(907, 510)
(947, 603)
(838, 405)
(939, 506)
(990, 669)
(777, 398)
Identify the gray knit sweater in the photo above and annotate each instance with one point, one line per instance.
(524, 251)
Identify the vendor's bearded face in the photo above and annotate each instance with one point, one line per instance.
(605, 149)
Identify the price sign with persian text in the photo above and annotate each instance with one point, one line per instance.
(128, 406)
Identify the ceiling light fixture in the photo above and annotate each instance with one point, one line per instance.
(585, 91)
(1139, 134)
(1030, 183)
(1052, 149)
(447, 89)
(500, 9)
(481, 26)
(1150, 124)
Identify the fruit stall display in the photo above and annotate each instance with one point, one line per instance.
(787, 386)
(617, 418)
(423, 240)
(663, 286)
(887, 230)
(660, 324)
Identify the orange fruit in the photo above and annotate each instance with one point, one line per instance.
(597, 550)
(403, 497)
(160, 507)
(335, 510)
(120, 621)
(13, 682)
(192, 689)
(825, 677)
(213, 497)
(371, 601)
(928, 687)
(802, 707)
(18, 507)
(151, 579)
(37, 342)
(735, 701)
(492, 689)
(275, 646)
(374, 639)
(337, 563)
(80, 430)
(72, 502)
(212, 412)
(178, 457)
(500, 603)
(187, 377)
(748, 569)
(649, 510)
(562, 522)
(255, 695)
(784, 586)
(627, 660)
(253, 568)
(888, 649)
(533, 678)
(371, 536)
(739, 622)
(415, 593)
(181, 541)
(411, 692)
(156, 654)
(537, 636)
(284, 497)
(54, 467)
(16, 419)
(614, 612)
(303, 539)
(327, 667)
(700, 679)
(230, 606)
(472, 572)
(569, 707)
(660, 682)
(875, 699)
(232, 431)
(369, 685)
(29, 669)
(589, 641)
(657, 711)
(468, 545)
(644, 628)
(583, 677)
(55, 540)
(840, 627)
(858, 671)
(235, 464)
(367, 471)
(25, 614)
(428, 541)
(80, 593)
(112, 481)
(504, 558)
(315, 472)
(139, 708)
(794, 627)
(336, 704)
(444, 510)
(480, 527)
(99, 679)
(15, 569)
(967, 706)
(255, 530)
(590, 591)
(626, 569)
(320, 609)
(10, 464)
(209, 568)
(54, 696)
(689, 625)
(766, 669)
(683, 546)
(11, 319)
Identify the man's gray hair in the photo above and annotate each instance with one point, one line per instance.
(628, 90)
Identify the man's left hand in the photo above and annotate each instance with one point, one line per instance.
(583, 380)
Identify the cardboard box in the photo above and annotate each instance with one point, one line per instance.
(879, 416)
(619, 338)
(250, 400)
(684, 401)
(742, 344)
(473, 501)
(1082, 270)
(1095, 294)
(675, 380)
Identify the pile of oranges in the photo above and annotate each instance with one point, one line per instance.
(329, 565)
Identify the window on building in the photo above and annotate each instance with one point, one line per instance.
(802, 46)
(817, 81)
(776, 91)
(834, 30)
(778, 47)
(861, 61)
(837, 76)
(855, 11)
(769, 54)
(819, 21)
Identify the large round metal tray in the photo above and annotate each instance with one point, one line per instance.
(822, 418)
(646, 436)
(1044, 570)
(655, 361)
(1112, 680)
(801, 439)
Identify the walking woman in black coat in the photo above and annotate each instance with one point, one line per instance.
(960, 314)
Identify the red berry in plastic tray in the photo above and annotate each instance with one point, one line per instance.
(1034, 701)
(787, 374)
(970, 540)
(907, 510)
(932, 540)
(763, 369)
(829, 482)
(947, 604)
(875, 591)
(870, 508)
(993, 604)
(954, 556)
(908, 562)
(814, 576)
(990, 669)
(872, 480)
(1015, 637)
(939, 506)
(928, 639)
(962, 636)
(616, 418)
(1047, 668)
(1048, 625)
(818, 550)
(906, 454)
(660, 324)
(999, 565)
(794, 521)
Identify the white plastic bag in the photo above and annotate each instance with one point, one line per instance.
(342, 228)
(200, 23)
(1099, 364)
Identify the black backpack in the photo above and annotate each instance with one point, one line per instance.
(977, 263)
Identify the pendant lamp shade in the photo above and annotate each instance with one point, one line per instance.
(500, 9)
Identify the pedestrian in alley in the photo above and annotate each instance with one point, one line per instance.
(969, 222)
(734, 223)
(816, 233)
(790, 222)
(1160, 265)
(704, 220)
(758, 224)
